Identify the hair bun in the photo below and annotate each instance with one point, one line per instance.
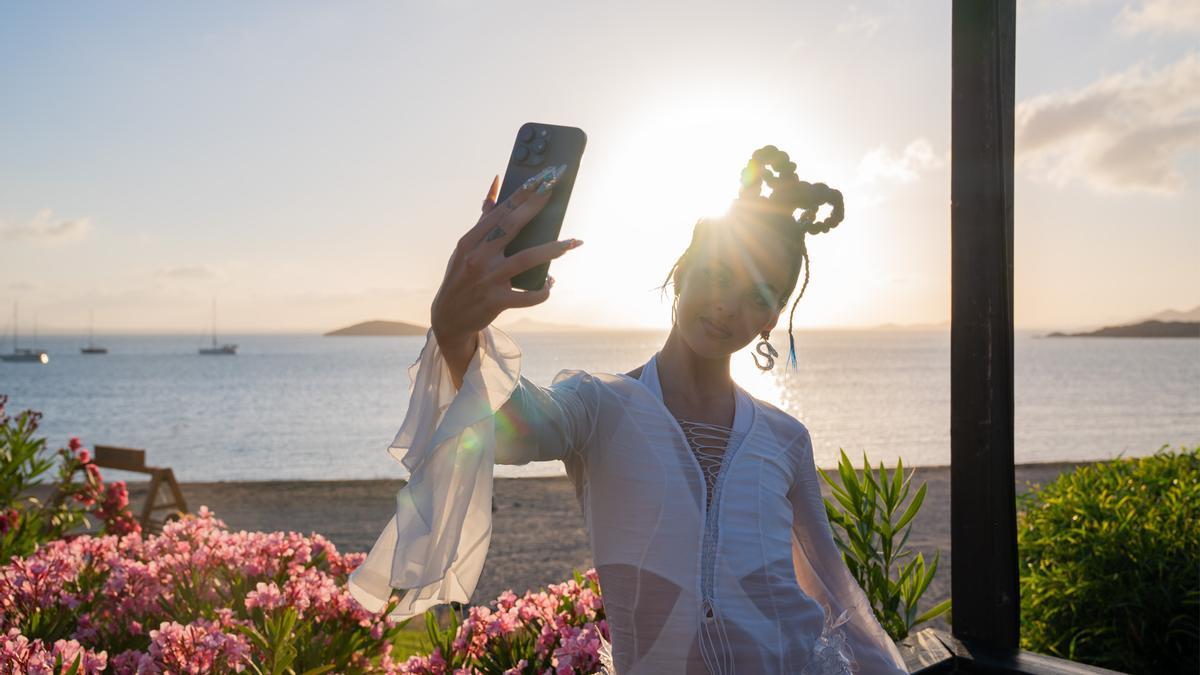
(772, 166)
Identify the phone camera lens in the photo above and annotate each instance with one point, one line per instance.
(539, 147)
(526, 134)
(520, 153)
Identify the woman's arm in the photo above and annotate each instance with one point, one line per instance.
(823, 575)
(476, 287)
(434, 546)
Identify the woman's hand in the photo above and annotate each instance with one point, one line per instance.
(477, 286)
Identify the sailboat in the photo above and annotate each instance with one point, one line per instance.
(91, 348)
(217, 349)
(20, 355)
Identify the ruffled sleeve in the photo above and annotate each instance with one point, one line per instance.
(823, 576)
(434, 547)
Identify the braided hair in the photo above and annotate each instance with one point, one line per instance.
(776, 213)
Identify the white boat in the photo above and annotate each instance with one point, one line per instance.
(25, 355)
(215, 349)
(91, 348)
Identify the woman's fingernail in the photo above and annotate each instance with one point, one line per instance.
(537, 178)
(555, 172)
(549, 280)
(569, 244)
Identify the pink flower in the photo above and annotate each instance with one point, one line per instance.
(198, 647)
(19, 655)
(9, 519)
(519, 668)
(265, 596)
(133, 662)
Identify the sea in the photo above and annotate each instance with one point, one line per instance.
(306, 407)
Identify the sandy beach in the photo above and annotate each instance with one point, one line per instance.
(538, 531)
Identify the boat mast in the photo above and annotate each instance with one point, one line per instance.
(15, 326)
(214, 321)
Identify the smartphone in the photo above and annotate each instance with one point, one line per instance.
(539, 146)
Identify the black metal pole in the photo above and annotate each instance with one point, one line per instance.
(983, 510)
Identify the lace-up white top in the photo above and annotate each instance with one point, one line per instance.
(714, 556)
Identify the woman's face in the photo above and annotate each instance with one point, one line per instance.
(729, 292)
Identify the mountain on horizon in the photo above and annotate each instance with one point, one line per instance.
(378, 328)
(1147, 326)
(1192, 314)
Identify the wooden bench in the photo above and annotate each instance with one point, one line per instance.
(132, 459)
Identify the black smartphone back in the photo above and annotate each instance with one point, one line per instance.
(537, 147)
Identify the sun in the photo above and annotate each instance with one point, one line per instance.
(676, 159)
(690, 151)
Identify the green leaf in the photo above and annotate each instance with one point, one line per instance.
(928, 575)
(934, 612)
(849, 504)
(913, 507)
(850, 482)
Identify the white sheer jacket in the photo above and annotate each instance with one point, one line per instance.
(744, 585)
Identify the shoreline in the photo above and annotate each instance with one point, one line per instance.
(538, 531)
(1057, 464)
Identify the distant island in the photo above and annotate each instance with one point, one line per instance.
(1153, 329)
(379, 328)
(1166, 324)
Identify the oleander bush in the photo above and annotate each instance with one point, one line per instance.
(556, 630)
(77, 496)
(1110, 564)
(195, 599)
(871, 523)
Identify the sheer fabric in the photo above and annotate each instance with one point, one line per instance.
(748, 580)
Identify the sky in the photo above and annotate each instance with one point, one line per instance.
(311, 165)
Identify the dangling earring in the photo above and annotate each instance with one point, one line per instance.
(765, 349)
(673, 304)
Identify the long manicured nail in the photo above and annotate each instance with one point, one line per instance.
(543, 174)
(569, 244)
(558, 172)
(549, 280)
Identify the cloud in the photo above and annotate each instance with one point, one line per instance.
(882, 164)
(44, 229)
(1159, 16)
(1125, 132)
(189, 273)
(859, 23)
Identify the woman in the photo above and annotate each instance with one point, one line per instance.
(702, 503)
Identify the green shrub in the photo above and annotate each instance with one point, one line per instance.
(1110, 560)
(26, 521)
(871, 519)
